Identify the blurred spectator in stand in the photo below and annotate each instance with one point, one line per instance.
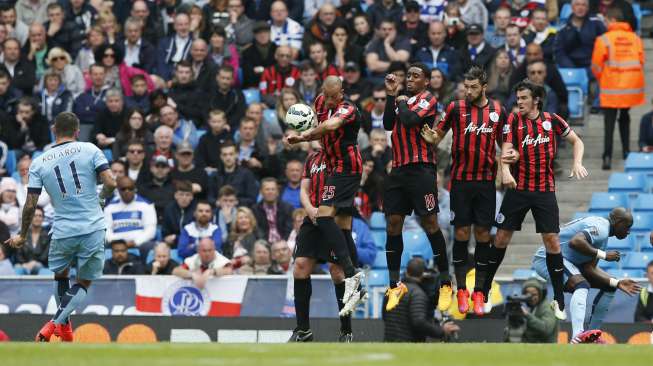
(122, 262)
(281, 258)
(201, 227)
(365, 247)
(218, 133)
(27, 130)
(497, 37)
(293, 179)
(387, 47)
(287, 98)
(8, 94)
(222, 53)
(132, 128)
(285, 31)
(59, 29)
(297, 219)
(86, 55)
(455, 26)
(225, 210)
(644, 310)
(140, 98)
(320, 22)
(119, 75)
(278, 76)
(273, 216)
(241, 27)
(382, 10)
(379, 151)
(159, 189)
(183, 130)
(15, 27)
(253, 153)
(349, 9)
(438, 54)
(293, 152)
(204, 265)
(6, 268)
(137, 169)
(109, 24)
(55, 98)
(163, 144)
(499, 75)
(200, 25)
(225, 97)
(138, 51)
(540, 32)
(618, 65)
(21, 190)
(204, 69)
(187, 170)
(441, 88)
(243, 235)
(178, 213)
(601, 7)
(356, 88)
(33, 255)
(308, 85)
(374, 117)
(258, 56)
(239, 177)
(260, 260)
(88, 104)
(174, 49)
(473, 12)
(646, 132)
(187, 94)
(36, 49)
(536, 72)
(21, 70)
(215, 14)
(341, 49)
(162, 263)
(152, 27)
(106, 128)
(575, 41)
(364, 31)
(369, 196)
(318, 58)
(413, 27)
(515, 45)
(478, 52)
(131, 218)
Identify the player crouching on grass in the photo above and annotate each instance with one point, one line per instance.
(584, 244)
(411, 185)
(476, 124)
(68, 172)
(533, 133)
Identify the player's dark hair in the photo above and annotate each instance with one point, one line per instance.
(226, 190)
(184, 186)
(476, 73)
(416, 267)
(425, 69)
(537, 91)
(66, 124)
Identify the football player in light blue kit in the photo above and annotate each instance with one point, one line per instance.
(68, 172)
(583, 242)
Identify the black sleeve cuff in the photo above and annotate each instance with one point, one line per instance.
(102, 168)
(33, 190)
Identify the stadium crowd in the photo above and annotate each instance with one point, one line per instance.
(188, 99)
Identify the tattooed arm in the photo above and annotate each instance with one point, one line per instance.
(28, 214)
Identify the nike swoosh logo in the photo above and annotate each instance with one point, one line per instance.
(558, 270)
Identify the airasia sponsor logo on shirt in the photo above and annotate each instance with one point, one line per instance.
(317, 168)
(477, 130)
(528, 140)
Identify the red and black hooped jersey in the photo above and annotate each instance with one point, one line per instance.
(273, 80)
(315, 169)
(330, 70)
(475, 133)
(341, 146)
(408, 146)
(535, 140)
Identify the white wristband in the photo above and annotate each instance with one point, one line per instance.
(600, 254)
(614, 282)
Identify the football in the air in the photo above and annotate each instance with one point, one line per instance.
(300, 117)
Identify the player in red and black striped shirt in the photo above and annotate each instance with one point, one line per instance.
(532, 133)
(280, 75)
(311, 247)
(338, 122)
(476, 123)
(411, 185)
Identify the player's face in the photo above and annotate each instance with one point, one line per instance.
(622, 229)
(416, 81)
(332, 97)
(474, 90)
(525, 101)
(119, 253)
(127, 190)
(183, 198)
(203, 214)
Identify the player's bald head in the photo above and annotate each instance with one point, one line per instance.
(333, 92)
(332, 82)
(621, 215)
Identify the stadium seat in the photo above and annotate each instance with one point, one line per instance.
(602, 201)
(10, 163)
(627, 182)
(577, 83)
(380, 262)
(622, 273)
(377, 278)
(416, 244)
(379, 239)
(643, 202)
(270, 116)
(637, 11)
(150, 256)
(523, 274)
(638, 162)
(377, 221)
(581, 215)
(643, 222)
(637, 260)
(252, 96)
(108, 154)
(174, 255)
(565, 14)
(201, 132)
(45, 272)
(622, 245)
(608, 265)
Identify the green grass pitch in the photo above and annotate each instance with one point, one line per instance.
(327, 354)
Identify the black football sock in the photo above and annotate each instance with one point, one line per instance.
(351, 247)
(345, 321)
(333, 234)
(439, 248)
(460, 254)
(303, 291)
(394, 246)
(495, 258)
(61, 285)
(480, 264)
(556, 271)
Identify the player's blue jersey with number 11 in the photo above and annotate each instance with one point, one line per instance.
(68, 172)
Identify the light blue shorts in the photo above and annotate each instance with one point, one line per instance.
(87, 250)
(539, 266)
